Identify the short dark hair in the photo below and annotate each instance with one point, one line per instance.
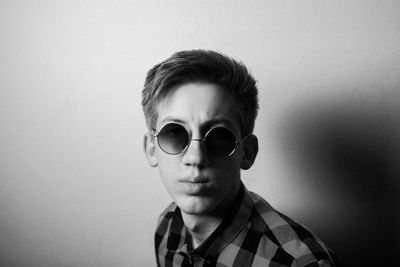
(202, 66)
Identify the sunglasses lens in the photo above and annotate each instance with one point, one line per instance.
(220, 142)
(173, 138)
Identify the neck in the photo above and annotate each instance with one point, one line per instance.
(200, 227)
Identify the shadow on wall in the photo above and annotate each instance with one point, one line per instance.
(347, 150)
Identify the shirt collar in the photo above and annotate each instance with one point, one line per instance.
(230, 227)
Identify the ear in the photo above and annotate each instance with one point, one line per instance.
(149, 149)
(250, 147)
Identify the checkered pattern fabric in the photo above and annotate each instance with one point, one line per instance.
(251, 234)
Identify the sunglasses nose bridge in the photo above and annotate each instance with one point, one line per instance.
(197, 139)
(189, 141)
(195, 153)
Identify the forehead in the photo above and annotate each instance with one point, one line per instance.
(199, 103)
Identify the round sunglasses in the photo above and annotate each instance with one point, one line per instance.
(219, 141)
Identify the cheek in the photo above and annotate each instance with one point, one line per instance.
(230, 165)
(168, 167)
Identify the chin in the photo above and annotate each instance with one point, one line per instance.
(195, 205)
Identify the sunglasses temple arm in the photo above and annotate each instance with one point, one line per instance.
(244, 138)
(154, 132)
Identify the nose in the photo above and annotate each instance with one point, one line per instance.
(196, 154)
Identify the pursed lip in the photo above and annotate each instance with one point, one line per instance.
(195, 180)
(197, 185)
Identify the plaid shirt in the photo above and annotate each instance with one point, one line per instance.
(251, 234)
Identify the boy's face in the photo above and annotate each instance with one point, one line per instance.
(198, 182)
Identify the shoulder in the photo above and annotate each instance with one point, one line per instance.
(167, 212)
(165, 218)
(163, 227)
(289, 239)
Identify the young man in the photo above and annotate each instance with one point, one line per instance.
(200, 108)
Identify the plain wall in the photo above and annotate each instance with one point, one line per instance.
(75, 188)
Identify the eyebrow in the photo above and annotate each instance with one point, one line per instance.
(210, 123)
(207, 124)
(172, 119)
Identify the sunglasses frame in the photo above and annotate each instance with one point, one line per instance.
(156, 134)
